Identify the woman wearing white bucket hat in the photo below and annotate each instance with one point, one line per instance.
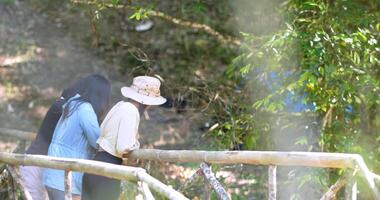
(118, 134)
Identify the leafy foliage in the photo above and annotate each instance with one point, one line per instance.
(326, 56)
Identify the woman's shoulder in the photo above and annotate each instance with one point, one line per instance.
(85, 107)
(126, 106)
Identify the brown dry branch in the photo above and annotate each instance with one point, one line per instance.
(333, 190)
(327, 119)
(193, 25)
(197, 26)
(190, 180)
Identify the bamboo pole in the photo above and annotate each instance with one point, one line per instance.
(24, 135)
(375, 176)
(68, 175)
(368, 176)
(81, 165)
(272, 182)
(12, 172)
(158, 186)
(351, 190)
(220, 191)
(93, 167)
(309, 159)
(144, 189)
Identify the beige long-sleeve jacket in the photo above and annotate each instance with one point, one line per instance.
(119, 130)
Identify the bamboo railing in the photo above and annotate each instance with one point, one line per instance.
(270, 158)
(90, 166)
(87, 166)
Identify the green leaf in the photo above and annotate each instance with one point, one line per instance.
(115, 2)
(134, 15)
(245, 70)
(357, 100)
(227, 126)
(249, 141)
(301, 141)
(362, 36)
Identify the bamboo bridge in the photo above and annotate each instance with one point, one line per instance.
(354, 164)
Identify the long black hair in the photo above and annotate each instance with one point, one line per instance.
(74, 89)
(94, 89)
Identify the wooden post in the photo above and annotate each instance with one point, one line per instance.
(68, 176)
(220, 192)
(272, 182)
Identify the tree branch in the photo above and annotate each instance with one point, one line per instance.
(193, 25)
(333, 190)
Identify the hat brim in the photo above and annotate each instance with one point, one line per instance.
(143, 99)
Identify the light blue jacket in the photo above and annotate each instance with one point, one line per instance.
(74, 137)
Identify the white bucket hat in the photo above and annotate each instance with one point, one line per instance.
(145, 90)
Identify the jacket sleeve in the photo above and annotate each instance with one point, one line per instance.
(127, 133)
(89, 123)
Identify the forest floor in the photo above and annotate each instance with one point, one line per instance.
(38, 57)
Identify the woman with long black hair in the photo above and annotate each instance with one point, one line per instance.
(76, 132)
(32, 175)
